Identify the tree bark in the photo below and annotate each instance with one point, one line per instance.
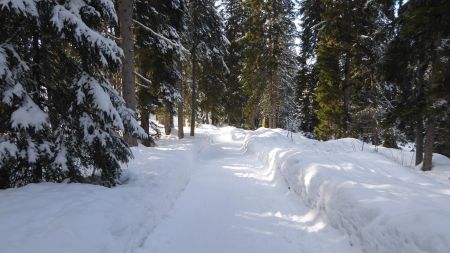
(271, 100)
(431, 122)
(252, 120)
(126, 35)
(145, 124)
(167, 126)
(194, 93)
(428, 147)
(171, 120)
(214, 119)
(276, 102)
(346, 93)
(181, 104)
(206, 117)
(419, 141)
(37, 171)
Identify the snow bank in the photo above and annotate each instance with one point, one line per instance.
(381, 205)
(74, 218)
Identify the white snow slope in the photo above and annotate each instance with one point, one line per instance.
(230, 190)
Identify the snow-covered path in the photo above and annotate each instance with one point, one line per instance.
(231, 206)
(230, 190)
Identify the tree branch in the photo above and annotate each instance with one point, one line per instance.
(162, 37)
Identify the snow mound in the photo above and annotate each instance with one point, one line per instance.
(381, 205)
(74, 218)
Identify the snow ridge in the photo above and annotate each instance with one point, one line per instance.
(381, 205)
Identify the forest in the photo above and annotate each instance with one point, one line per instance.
(80, 80)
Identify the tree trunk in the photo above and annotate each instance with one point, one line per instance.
(276, 102)
(194, 94)
(419, 141)
(431, 122)
(214, 119)
(167, 128)
(206, 117)
(271, 101)
(37, 171)
(126, 35)
(181, 104)
(346, 101)
(252, 119)
(145, 124)
(171, 120)
(428, 147)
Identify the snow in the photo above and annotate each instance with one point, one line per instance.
(29, 115)
(7, 148)
(101, 100)
(64, 16)
(230, 205)
(381, 205)
(61, 158)
(231, 190)
(24, 7)
(73, 218)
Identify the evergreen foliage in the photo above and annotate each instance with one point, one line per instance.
(208, 47)
(236, 17)
(268, 58)
(350, 36)
(160, 25)
(417, 63)
(378, 71)
(60, 116)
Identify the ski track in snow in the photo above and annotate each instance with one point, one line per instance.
(229, 190)
(231, 205)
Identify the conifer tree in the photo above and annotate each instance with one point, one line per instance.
(236, 16)
(350, 36)
(419, 56)
(268, 59)
(60, 116)
(159, 25)
(307, 76)
(207, 46)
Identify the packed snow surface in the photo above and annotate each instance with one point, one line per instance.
(230, 190)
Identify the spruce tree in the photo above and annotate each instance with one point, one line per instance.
(268, 61)
(254, 72)
(207, 46)
(236, 24)
(60, 116)
(423, 97)
(307, 75)
(350, 36)
(159, 25)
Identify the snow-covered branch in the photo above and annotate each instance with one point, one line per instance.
(143, 78)
(159, 35)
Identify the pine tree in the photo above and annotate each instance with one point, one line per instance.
(349, 46)
(424, 32)
(207, 48)
(254, 71)
(159, 53)
(236, 16)
(268, 60)
(308, 74)
(61, 117)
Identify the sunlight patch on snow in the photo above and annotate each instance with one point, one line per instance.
(307, 222)
(366, 194)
